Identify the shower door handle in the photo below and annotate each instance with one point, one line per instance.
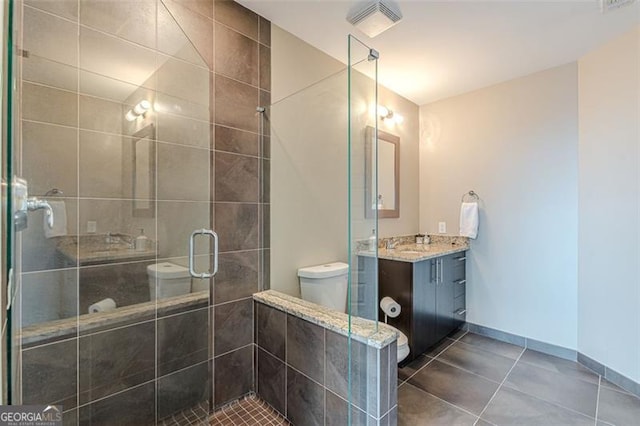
(192, 239)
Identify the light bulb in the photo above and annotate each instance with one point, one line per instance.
(131, 116)
(398, 118)
(382, 111)
(142, 107)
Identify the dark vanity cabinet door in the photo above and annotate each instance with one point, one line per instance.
(411, 285)
(431, 294)
(395, 280)
(450, 278)
(444, 299)
(424, 307)
(455, 273)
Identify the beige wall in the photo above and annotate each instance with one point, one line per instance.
(609, 232)
(309, 151)
(516, 145)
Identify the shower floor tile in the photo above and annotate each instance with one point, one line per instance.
(193, 416)
(249, 410)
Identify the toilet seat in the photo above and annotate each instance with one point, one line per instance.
(403, 345)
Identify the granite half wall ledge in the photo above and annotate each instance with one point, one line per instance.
(41, 333)
(362, 330)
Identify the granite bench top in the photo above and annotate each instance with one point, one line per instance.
(362, 330)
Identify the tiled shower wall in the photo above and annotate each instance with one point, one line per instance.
(116, 371)
(241, 81)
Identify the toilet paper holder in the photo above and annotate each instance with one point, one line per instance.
(390, 307)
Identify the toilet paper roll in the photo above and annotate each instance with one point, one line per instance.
(104, 305)
(390, 307)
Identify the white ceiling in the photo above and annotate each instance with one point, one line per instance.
(441, 49)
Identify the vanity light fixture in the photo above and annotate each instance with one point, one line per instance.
(387, 114)
(140, 109)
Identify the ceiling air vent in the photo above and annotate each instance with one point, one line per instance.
(611, 5)
(373, 18)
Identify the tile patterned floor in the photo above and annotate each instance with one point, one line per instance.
(470, 379)
(249, 410)
(194, 416)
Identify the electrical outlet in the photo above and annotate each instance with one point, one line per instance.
(91, 227)
(442, 227)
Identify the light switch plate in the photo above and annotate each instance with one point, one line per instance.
(91, 227)
(442, 227)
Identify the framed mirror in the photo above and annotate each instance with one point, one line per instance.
(385, 168)
(144, 172)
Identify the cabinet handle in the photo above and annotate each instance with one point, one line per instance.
(441, 271)
(461, 258)
(461, 311)
(461, 282)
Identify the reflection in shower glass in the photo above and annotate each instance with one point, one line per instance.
(114, 105)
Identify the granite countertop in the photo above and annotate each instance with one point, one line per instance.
(92, 249)
(417, 252)
(362, 330)
(406, 250)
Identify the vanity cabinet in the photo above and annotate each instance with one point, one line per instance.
(432, 296)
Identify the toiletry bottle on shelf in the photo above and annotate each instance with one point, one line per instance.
(141, 241)
(373, 241)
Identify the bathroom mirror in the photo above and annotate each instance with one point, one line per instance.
(144, 158)
(386, 200)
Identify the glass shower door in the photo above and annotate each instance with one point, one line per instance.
(111, 130)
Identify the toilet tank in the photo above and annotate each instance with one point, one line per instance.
(172, 280)
(325, 285)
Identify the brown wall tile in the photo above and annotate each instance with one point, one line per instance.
(49, 158)
(237, 178)
(233, 375)
(233, 325)
(197, 27)
(265, 68)
(235, 104)
(41, 103)
(64, 8)
(265, 32)
(237, 225)
(236, 16)
(203, 7)
(236, 141)
(236, 55)
(237, 277)
(132, 20)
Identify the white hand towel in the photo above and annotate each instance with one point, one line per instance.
(59, 220)
(469, 220)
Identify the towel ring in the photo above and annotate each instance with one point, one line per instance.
(472, 194)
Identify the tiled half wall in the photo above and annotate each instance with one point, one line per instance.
(302, 370)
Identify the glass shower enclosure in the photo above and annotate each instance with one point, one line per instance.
(110, 250)
(321, 137)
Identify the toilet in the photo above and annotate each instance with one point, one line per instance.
(172, 280)
(327, 284)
